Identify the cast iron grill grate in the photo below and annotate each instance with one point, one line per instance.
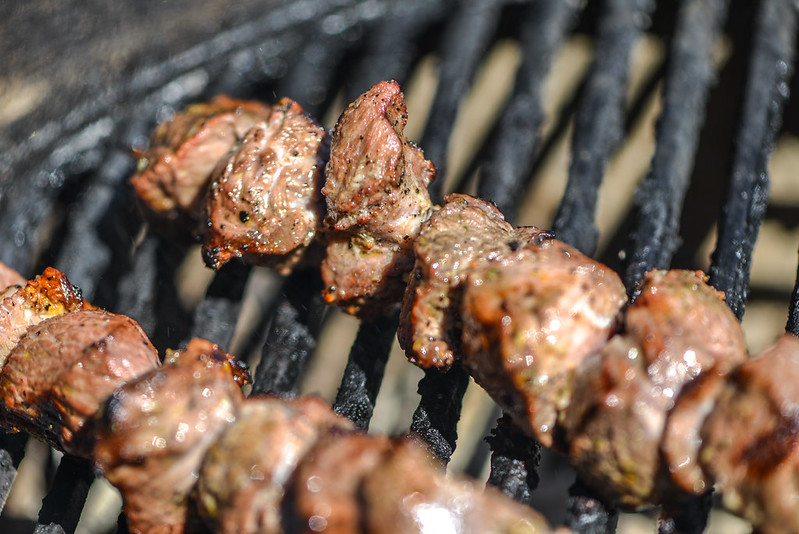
(64, 200)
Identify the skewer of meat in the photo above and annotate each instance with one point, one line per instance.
(189, 452)
(632, 395)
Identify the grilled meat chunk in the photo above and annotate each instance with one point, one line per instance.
(155, 430)
(9, 277)
(175, 170)
(245, 471)
(677, 331)
(47, 295)
(326, 488)
(749, 440)
(264, 204)
(376, 192)
(465, 232)
(63, 369)
(530, 319)
(407, 492)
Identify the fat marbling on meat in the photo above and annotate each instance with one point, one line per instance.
(153, 433)
(376, 193)
(264, 204)
(464, 233)
(174, 172)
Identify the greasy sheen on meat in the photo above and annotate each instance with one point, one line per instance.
(174, 172)
(63, 369)
(464, 233)
(376, 193)
(530, 320)
(264, 204)
(407, 492)
(154, 431)
(678, 331)
(244, 474)
(48, 295)
(750, 440)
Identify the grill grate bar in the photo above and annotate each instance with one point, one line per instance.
(292, 335)
(688, 78)
(510, 158)
(770, 69)
(363, 374)
(515, 458)
(465, 42)
(436, 418)
(216, 316)
(587, 514)
(599, 122)
(792, 325)
(391, 45)
(62, 506)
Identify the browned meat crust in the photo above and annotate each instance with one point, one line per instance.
(376, 191)
(64, 368)
(244, 474)
(47, 295)
(677, 331)
(531, 319)
(750, 439)
(264, 203)
(155, 430)
(175, 170)
(466, 232)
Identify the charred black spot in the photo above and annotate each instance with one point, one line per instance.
(244, 216)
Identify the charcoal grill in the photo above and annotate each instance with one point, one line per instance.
(86, 81)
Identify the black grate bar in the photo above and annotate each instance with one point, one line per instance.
(659, 198)
(292, 335)
(436, 418)
(364, 372)
(515, 458)
(62, 506)
(511, 154)
(12, 449)
(770, 69)
(391, 45)
(587, 514)
(690, 517)
(792, 325)
(599, 122)
(85, 254)
(466, 39)
(138, 287)
(216, 316)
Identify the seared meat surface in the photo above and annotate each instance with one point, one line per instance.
(750, 439)
(465, 232)
(64, 368)
(376, 193)
(47, 295)
(677, 331)
(175, 170)
(530, 319)
(264, 203)
(244, 474)
(155, 430)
